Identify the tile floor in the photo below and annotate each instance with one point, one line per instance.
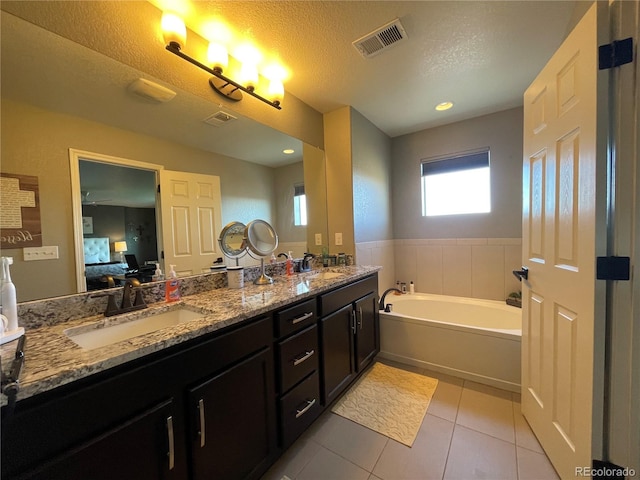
(470, 431)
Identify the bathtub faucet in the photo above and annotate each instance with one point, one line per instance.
(381, 306)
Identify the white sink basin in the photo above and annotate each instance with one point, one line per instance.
(101, 336)
(325, 275)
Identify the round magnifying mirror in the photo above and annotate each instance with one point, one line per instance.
(232, 241)
(262, 240)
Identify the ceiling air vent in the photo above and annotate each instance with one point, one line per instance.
(381, 39)
(219, 118)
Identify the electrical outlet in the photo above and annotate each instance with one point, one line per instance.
(40, 253)
(318, 239)
(338, 238)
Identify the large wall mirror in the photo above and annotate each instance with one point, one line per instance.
(84, 102)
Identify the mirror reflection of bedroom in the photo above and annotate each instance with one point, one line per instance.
(118, 223)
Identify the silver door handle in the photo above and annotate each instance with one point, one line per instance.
(301, 318)
(171, 453)
(202, 425)
(310, 403)
(307, 355)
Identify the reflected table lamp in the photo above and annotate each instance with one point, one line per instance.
(120, 247)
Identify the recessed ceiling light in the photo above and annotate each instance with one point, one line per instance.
(441, 107)
(288, 151)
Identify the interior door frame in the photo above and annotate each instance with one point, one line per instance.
(75, 155)
(622, 427)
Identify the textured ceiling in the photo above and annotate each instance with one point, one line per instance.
(481, 55)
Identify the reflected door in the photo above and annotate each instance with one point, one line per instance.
(191, 208)
(559, 226)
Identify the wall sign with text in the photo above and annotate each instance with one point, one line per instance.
(20, 213)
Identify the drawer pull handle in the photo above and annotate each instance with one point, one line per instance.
(171, 454)
(306, 356)
(310, 403)
(201, 412)
(301, 318)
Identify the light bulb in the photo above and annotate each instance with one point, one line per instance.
(276, 90)
(173, 29)
(217, 56)
(249, 75)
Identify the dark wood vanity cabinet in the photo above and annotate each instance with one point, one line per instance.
(222, 406)
(297, 359)
(140, 420)
(232, 421)
(141, 447)
(349, 334)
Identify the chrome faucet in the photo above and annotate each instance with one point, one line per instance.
(382, 306)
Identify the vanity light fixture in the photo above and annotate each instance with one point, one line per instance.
(441, 107)
(288, 151)
(174, 33)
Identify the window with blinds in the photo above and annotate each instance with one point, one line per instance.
(456, 184)
(299, 206)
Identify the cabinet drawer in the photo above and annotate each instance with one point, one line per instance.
(298, 357)
(299, 408)
(295, 318)
(335, 300)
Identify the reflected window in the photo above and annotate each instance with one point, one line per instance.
(299, 206)
(456, 184)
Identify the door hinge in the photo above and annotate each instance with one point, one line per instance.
(615, 53)
(613, 268)
(158, 188)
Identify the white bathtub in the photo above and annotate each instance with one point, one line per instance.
(466, 337)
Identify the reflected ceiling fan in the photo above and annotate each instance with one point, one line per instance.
(87, 199)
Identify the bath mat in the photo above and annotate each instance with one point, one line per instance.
(389, 401)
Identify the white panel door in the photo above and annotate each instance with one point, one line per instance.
(191, 220)
(559, 219)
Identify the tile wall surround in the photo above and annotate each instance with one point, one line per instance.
(466, 267)
(51, 311)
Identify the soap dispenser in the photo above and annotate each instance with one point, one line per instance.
(172, 286)
(157, 275)
(10, 330)
(289, 263)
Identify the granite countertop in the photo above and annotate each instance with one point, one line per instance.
(52, 359)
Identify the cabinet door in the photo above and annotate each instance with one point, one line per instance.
(143, 447)
(337, 352)
(233, 421)
(367, 331)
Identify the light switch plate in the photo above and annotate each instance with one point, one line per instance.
(40, 253)
(318, 239)
(338, 238)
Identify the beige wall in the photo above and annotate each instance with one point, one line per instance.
(315, 186)
(36, 142)
(502, 133)
(460, 255)
(371, 158)
(337, 134)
